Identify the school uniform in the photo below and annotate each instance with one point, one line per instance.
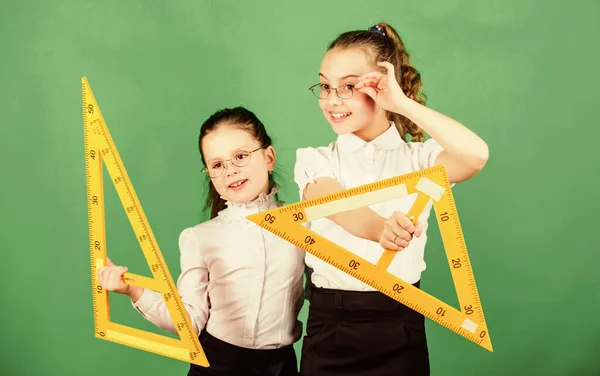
(242, 287)
(353, 329)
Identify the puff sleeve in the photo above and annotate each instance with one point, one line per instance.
(312, 163)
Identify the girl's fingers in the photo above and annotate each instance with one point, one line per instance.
(371, 76)
(397, 230)
(370, 91)
(103, 273)
(404, 222)
(361, 81)
(122, 270)
(400, 240)
(100, 275)
(419, 228)
(388, 66)
(111, 278)
(394, 243)
(366, 81)
(395, 237)
(388, 244)
(116, 275)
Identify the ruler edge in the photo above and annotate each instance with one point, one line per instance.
(152, 247)
(449, 196)
(467, 334)
(300, 206)
(100, 318)
(394, 180)
(174, 304)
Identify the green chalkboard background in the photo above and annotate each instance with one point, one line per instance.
(519, 73)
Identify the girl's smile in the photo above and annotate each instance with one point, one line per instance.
(338, 117)
(238, 185)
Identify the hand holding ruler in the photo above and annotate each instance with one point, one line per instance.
(431, 183)
(284, 222)
(99, 148)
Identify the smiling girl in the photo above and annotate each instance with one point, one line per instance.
(240, 284)
(371, 96)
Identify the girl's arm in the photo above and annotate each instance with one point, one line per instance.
(192, 290)
(192, 287)
(464, 153)
(364, 222)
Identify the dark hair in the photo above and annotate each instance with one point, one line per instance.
(243, 119)
(382, 43)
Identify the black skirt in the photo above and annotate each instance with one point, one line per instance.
(229, 360)
(355, 333)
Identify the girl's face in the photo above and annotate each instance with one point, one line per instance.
(228, 144)
(358, 114)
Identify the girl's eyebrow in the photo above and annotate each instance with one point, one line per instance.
(243, 148)
(213, 160)
(342, 78)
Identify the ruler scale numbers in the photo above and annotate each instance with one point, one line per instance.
(285, 222)
(429, 184)
(100, 149)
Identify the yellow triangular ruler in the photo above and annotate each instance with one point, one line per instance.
(431, 183)
(99, 149)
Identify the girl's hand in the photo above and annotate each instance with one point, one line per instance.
(383, 88)
(111, 278)
(398, 231)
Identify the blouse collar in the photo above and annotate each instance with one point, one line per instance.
(261, 203)
(390, 139)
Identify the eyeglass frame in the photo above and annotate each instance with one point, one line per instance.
(329, 91)
(206, 171)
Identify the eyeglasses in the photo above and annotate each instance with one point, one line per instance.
(322, 91)
(239, 159)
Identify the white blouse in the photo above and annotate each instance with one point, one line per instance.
(354, 162)
(240, 282)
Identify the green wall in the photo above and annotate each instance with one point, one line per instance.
(519, 73)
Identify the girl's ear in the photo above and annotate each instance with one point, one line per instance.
(270, 157)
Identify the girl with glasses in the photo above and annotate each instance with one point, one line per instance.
(240, 284)
(370, 94)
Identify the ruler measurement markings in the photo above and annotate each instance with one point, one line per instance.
(286, 228)
(98, 140)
